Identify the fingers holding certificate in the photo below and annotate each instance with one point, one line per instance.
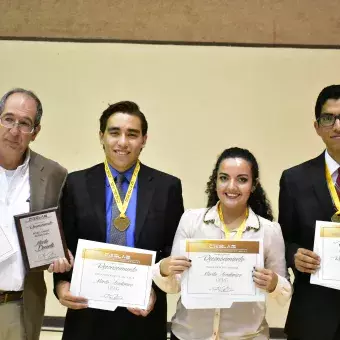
(306, 261)
(173, 265)
(62, 265)
(67, 299)
(265, 279)
(145, 312)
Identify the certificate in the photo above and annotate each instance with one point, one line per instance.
(6, 248)
(327, 246)
(220, 273)
(109, 275)
(41, 238)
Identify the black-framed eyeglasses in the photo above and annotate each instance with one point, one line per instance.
(328, 119)
(10, 122)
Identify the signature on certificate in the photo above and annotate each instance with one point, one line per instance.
(114, 297)
(222, 289)
(47, 256)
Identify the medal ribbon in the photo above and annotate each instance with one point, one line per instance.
(122, 206)
(332, 191)
(239, 230)
(238, 236)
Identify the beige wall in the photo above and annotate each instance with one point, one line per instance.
(198, 100)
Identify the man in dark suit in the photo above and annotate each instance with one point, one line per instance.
(314, 313)
(90, 211)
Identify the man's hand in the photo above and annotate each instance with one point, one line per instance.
(145, 312)
(174, 265)
(265, 279)
(306, 261)
(61, 265)
(67, 299)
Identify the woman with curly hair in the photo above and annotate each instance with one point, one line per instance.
(237, 208)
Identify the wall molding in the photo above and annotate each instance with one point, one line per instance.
(175, 43)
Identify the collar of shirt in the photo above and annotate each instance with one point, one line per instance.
(333, 166)
(22, 167)
(128, 173)
(213, 217)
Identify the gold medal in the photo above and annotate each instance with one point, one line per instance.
(121, 223)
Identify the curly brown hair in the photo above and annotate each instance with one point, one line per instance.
(257, 201)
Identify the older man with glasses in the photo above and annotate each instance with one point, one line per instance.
(310, 192)
(28, 182)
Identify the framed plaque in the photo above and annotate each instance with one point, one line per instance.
(41, 238)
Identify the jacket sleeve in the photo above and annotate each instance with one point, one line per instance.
(69, 227)
(174, 211)
(275, 261)
(287, 218)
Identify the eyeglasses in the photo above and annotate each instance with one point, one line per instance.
(328, 119)
(23, 126)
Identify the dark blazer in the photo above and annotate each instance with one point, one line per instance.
(159, 208)
(46, 179)
(314, 311)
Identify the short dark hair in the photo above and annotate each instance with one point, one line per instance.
(28, 93)
(127, 107)
(329, 92)
(258, 200)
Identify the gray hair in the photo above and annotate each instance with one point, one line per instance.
(27, 93)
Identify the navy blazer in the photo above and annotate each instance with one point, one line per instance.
(159, 209)
(314, 311)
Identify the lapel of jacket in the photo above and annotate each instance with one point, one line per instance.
(145, 191)
(38, 182)
(320, 187)
(96, 189)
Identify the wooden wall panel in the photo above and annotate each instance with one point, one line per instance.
(287, 22)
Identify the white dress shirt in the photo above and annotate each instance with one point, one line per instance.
(14, 200)
(243, 320)
(332, 165)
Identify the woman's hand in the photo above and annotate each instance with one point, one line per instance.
(174, 265)
(265, 279)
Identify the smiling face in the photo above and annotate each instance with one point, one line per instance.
(330, 135)
(13, 142)
(234, 183)
(123, 140)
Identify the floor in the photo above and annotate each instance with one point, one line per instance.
(57, 336)
(50, 336)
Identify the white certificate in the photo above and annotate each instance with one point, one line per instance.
(327, 246)
(109, 275)
(6, 248)
(220, 273)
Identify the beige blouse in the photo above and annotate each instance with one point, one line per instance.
(243, 320)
